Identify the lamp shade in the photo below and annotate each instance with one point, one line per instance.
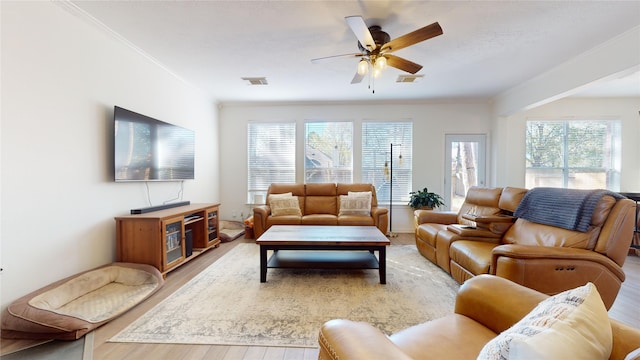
(381, 63)
(363, 67)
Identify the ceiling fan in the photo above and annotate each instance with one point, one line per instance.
(376, 47)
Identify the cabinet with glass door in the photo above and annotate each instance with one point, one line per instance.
(167, 238)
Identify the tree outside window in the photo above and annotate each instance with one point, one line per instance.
(328, 152)
(575, 154)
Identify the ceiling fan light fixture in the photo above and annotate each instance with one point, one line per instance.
(363, 67)
(381, 63)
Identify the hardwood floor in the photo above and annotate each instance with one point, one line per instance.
(625, 309)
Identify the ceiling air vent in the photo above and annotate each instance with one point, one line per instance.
(256, 80)
(409, 78)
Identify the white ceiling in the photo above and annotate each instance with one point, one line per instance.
(487, 47)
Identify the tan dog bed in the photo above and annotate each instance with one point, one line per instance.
(230, 230)
(72, 307)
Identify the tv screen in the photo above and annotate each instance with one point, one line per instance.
(147, 149)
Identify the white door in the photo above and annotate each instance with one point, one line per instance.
(464, 166)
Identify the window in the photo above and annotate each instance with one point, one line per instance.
(271, 157)
(379, 167)
(464, 166)
(573, 154)
(328, 152)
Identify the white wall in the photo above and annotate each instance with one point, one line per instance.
(61, 77)
(615, 58)
(431, 122)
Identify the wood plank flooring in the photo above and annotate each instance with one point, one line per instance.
(625, 309)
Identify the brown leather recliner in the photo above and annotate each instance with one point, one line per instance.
(485, 306)
(552, 259)
(435, 231)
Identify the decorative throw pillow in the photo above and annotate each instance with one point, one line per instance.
(355, 205)
(278, 196)
(366, 194)
(283, 205)
(571, 325)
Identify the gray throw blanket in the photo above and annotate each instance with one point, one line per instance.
(566, 208)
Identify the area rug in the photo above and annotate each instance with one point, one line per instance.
(227, 305)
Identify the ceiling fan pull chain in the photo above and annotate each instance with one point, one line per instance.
(373, 84)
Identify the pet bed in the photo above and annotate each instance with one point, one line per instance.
(74, 306)
(230, 230)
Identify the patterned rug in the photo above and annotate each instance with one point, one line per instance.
(227, 305)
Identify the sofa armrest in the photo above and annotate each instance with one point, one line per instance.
(380, 217)
(346, 339)
(438, 217)
(524, 252)
(495, 302)
(260, 214)
(625, 340)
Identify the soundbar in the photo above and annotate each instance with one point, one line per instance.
(158, 207)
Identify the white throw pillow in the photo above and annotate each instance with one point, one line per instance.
(284, 205)
(571, 325)
(278, 196)
(360, 194)
(355, 205)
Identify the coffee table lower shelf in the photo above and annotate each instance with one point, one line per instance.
(325, 259)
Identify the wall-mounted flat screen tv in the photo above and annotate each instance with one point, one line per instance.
(147, 149)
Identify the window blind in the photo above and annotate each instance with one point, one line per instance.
(271, 149)
(377, 161)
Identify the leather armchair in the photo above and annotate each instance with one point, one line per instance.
(485, 306)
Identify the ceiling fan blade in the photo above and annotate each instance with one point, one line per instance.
(357, 78)
(413, 37)
(328, 58)
(360, 29)
(402, 64)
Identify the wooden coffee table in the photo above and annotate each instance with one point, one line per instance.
(323, 247)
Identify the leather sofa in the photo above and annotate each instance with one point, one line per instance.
(485, 306)
(546, 258)
(435, 231)
(320, 205)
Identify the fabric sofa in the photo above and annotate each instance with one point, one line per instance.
(485, 308)
(321, 204)
(548, 258)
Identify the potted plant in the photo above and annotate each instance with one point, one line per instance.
(425, 199)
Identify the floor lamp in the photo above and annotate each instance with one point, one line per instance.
(391, 234)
